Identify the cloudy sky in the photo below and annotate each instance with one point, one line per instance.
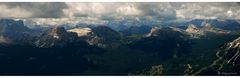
(117, 10)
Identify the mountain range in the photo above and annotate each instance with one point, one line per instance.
(195, 47)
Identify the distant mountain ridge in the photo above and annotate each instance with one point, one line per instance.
(14, 31)
(198, 48)
(228, 24)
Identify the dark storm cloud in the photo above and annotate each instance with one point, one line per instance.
(40, 10)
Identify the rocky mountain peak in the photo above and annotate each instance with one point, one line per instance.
(103, 36)
(106, 33)
(11, 22)
(57, 36)
(208, 26)
(14, 31)
(57, 32)
(12, 25)
(166, 33)
(153, 31)
(235, 43)
(192, 29)
(205, 29)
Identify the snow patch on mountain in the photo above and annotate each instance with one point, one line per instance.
(80, 31)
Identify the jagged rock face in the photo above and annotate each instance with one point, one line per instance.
(235, 43)
(206, 29)
(10, 23)
(228, 24)
(103, 36)
(166, 42)
(153, 31)
(13, 31)
(228, 58)
(56, 37)
(232, 51)
(192, 29)
(167, 32)
(215, 30)
(106, 33)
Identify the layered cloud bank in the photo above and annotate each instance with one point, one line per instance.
(58, 12)
(116, 10)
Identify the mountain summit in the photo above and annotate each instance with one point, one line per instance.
(103, 36)
(57, 36)
(14, 31)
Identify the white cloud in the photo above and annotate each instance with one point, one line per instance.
(77, 9)
(208, 11)
(128, 10)
(100, 9)
(122, 10)
(60, 21)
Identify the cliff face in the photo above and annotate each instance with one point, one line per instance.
(56, 37)
(14, 32)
